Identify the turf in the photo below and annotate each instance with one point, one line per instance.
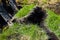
(31, 32)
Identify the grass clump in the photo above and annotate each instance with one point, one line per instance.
(53, 22)
(24, 11)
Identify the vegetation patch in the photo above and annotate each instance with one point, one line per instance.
(31, 31)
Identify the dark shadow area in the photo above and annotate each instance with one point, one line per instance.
(2, 22)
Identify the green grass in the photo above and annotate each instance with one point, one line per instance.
(24, 11)
(32, 32)
(53, 22)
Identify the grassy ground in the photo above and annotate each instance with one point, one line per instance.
(32, 32)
